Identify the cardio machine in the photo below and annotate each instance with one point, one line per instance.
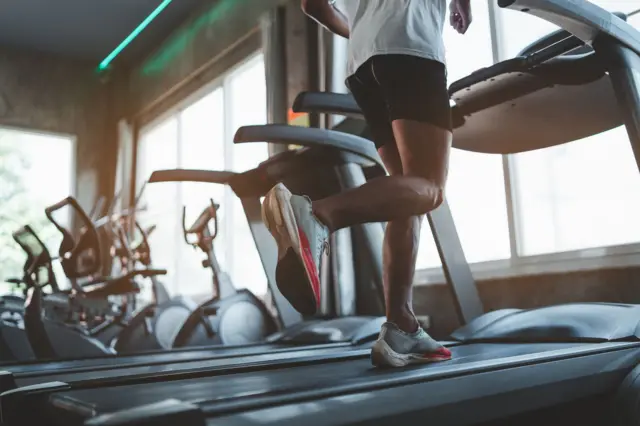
(154, 325)
(66, 324)
(231, 317)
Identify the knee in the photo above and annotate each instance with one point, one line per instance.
(431, 196)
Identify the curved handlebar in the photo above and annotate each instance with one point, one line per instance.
(200, 225)
(70, 248)
(310, 137)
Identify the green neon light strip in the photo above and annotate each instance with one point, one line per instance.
(144, 24)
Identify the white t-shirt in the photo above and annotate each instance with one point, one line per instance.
(408, 27)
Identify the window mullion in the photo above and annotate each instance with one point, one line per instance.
(497, 47)
(228, 165)
(178, 206)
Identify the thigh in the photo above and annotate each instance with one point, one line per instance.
(371, 101)
(391, 159)
(415, 92)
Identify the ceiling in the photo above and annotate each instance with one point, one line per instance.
(88, 29)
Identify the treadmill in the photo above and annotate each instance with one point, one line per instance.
(340, 328)
(557, 365)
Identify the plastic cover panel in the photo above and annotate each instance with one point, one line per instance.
(546, 117)
(586, 322)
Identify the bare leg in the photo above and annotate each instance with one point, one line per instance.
(418, 165)
(424, 152)
(400, 249)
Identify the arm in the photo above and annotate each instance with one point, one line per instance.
(327, 15)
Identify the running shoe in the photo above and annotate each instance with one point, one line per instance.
(395, 348)
(302, 241)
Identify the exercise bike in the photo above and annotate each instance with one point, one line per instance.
(231, 316)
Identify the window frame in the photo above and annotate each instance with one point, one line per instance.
(73, 190)
(616, 256)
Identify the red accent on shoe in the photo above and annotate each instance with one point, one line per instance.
(310, 265)
(441, 354)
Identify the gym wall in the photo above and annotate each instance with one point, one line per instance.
(615, 285)
(43, 92)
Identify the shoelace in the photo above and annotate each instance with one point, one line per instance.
(322, 243)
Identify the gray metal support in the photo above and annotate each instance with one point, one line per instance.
(624, 71)
(268, 251)
(454, 264)
(352, 176)
(275, 58)
(344, 274)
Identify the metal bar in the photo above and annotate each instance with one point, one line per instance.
(268, 251)
(343, 272)
(624, 71)
(352, 176)
(275, 57)
(498, 51)
(512, 207)
(454, 264)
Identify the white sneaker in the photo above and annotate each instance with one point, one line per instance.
(302, 240)
(395, 348)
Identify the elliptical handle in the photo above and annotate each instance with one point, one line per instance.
(185, 231)
(214, 210)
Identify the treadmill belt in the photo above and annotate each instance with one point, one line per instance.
(221, 388)
(56, 370)
(134, 372)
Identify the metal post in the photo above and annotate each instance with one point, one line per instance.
(454, 264)
(624, 71)
(268, 251)
(275, 57)
(344, 275)
(352, 176)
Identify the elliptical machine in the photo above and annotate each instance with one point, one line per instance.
(66, 324)
(153, 326)
(231, 316)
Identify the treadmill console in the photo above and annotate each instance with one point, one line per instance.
(577, 322)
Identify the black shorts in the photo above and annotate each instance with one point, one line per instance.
(392, 87)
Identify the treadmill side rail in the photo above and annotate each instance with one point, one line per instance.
(310, 137)
(327, 103)
(7, 381)
(24, 399)
(171, 412)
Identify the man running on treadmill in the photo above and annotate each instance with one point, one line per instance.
(398, 78)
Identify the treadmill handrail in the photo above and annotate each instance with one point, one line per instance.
(191, 175)
(554, 37)
(327, 103)
(583, 19)
(309, 137)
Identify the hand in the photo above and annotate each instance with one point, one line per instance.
(460, 18)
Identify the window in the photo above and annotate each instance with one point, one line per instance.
(475, 188)
(36, 170)
(200, 136)
(572, 197)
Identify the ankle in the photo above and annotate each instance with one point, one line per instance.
(405, 322)
(321, 215)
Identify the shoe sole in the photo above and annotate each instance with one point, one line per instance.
(295, 263)
(382, 356)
